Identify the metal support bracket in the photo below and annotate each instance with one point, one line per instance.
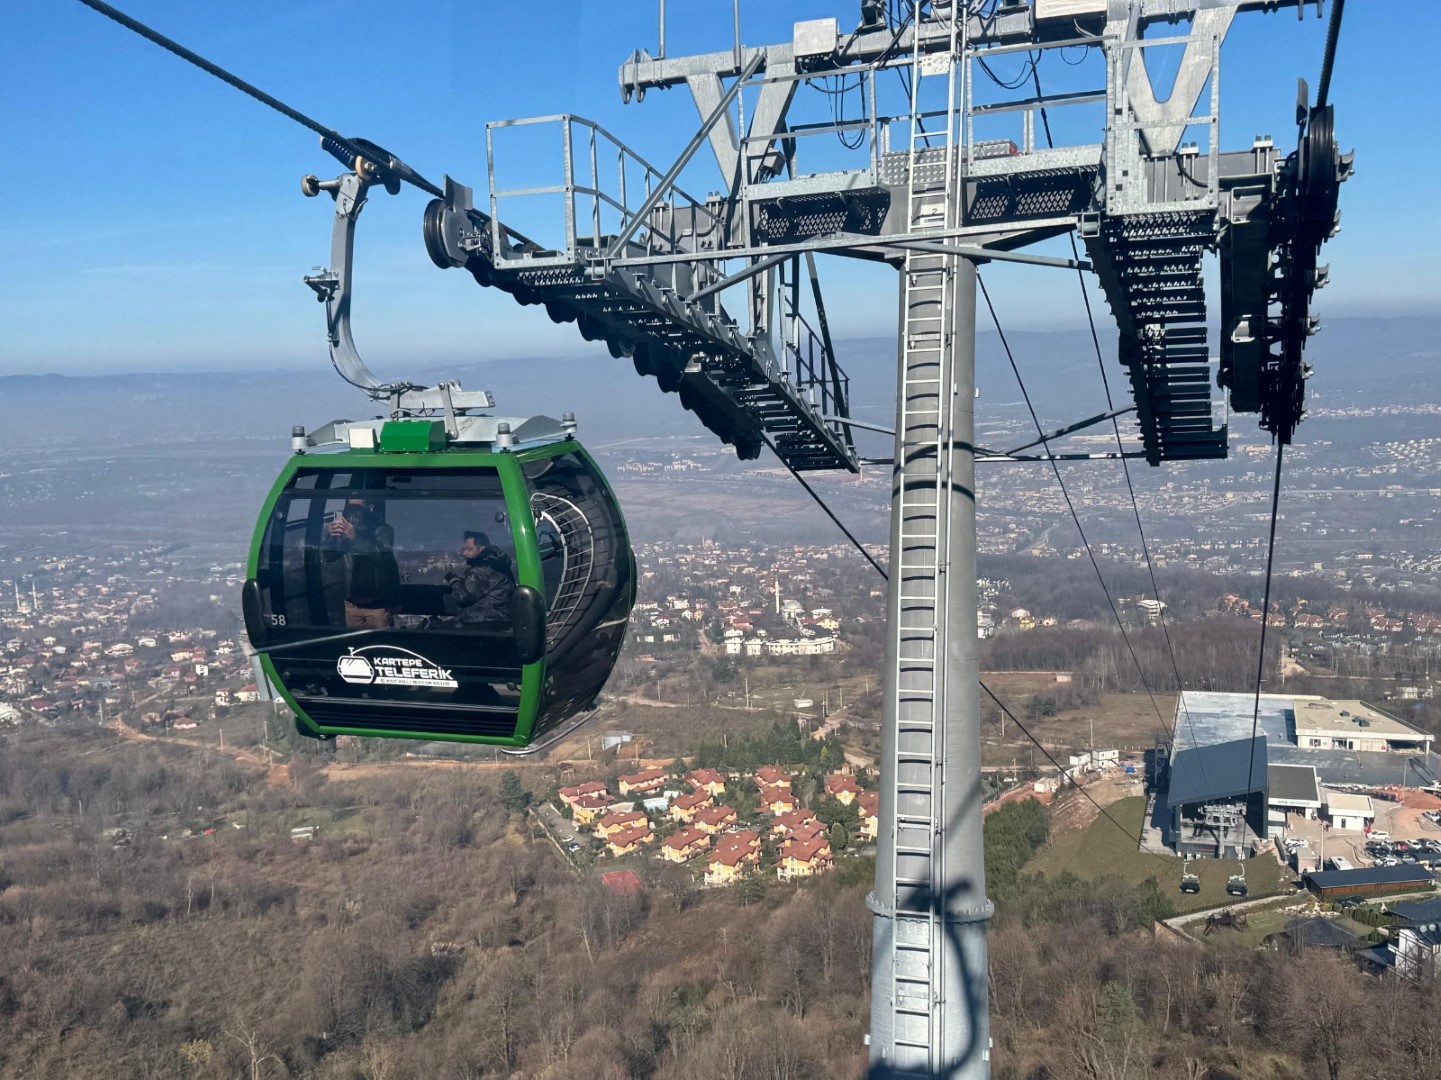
(333, 288)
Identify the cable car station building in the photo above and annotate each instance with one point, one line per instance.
(1217, 799)
(1223, 791)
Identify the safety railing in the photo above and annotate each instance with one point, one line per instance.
(603, 185)
(806, 358)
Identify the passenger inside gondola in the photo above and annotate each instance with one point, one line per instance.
(358, 538)
(484, 590)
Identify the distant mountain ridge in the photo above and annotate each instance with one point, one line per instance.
(1363, 362)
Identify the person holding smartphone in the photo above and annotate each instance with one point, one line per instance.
(358, 536)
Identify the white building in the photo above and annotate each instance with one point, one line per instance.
(1350, 813)
(1354, 725)
(1417, 936)
(1417, 950)
(817, 646)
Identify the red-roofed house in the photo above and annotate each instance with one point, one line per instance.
(568, 795)
(709, 781)
(803, 858)
(777, 801)
(683, 845)
(784, 823)
(686, 807)
(772, 776)
(630, 840)
(642, 783)
(733, 853)
(843, 788)
(870, 803)
(617, 823)
(807, 831)
(586, 808)
(715, 818)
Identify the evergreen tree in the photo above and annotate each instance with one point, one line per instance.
(513, 795)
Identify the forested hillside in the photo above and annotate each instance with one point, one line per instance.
(157, 920)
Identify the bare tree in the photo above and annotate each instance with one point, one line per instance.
(252, 1043)
(1321, 1010)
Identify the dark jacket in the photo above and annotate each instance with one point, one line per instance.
(485, 589)
(372, 574)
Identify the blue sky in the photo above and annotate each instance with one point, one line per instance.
(150, 216)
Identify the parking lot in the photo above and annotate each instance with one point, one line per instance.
(1406, 830)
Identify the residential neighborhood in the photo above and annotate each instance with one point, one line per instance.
(682, 817)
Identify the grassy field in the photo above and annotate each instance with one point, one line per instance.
(1123, 720)
(1102, 850)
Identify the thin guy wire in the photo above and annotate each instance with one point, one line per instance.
(1266, 607)
(1140, 843)
(1070, 505)
(989, 692)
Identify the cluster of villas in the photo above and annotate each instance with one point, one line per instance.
(701, 828)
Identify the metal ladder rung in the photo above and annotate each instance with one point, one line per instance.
(917, 883)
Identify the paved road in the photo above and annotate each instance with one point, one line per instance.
(558, 825)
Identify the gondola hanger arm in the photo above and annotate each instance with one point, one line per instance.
(334, 286)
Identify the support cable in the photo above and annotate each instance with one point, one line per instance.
(1125, 467)
(1328, 60)
(1266, 606)
(1005, 709)
(244, 87)
(1055, 468)
(822, 504)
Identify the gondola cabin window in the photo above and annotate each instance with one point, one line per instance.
(406, 550)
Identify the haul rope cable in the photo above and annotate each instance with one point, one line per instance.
(1266, 607)
(1125, 466)
(1055, 468)
(1328, 63)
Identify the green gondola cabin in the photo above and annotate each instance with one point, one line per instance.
(408, 587)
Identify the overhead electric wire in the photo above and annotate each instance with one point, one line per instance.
(1125, 466)
(1266, 606)
(1115, 611)
(246, 88)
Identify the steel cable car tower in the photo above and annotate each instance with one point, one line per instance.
(641, 265)
(1147, 204)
